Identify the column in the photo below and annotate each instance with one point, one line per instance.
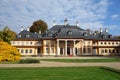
(49, 48)
(66, 47)
(82, 43)
(74, 48)
(57, 53)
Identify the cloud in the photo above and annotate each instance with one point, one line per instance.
(89, 13)
(114, 16)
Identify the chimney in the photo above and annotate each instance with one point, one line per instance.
(77, 23)
(22, 28)
(106, 30)
(39, 32)
(54, 23)
(65, 21)
(101, 30)
(28, 29)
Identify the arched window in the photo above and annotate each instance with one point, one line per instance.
(26, 51)
(102, 51)
(106, 51)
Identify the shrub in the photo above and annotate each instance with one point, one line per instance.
(29, 60)
(8, 52)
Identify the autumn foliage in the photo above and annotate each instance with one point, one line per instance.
(8, 53)
(39, 25)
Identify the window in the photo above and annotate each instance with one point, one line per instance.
(39, 36)
(113, 51)
(105, 43)
(109, 43)
(101, 42)
(22, 43)
(117, 50)
(27, 36)
(116, 42)
(52, 50)
(84, 42)
(22, 51)
(69, 32)
(30, 42)
(13, 42)
(30, 50)
(26, 42)
(18, 42)
(19, 35)
(18, 49)
(109, 51)
(26, 51)
(47, 42)
(102, 51)
(106, 51)
(89, 50)
(88, 42)
(113, 43)
(47, 50)
(84, 50)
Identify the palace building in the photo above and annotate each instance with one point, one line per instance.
(66, 40)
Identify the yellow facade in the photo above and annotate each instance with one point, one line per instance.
(65, 47)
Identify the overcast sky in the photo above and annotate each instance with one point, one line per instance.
(91, 14)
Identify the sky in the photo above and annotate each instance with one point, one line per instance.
(91, 14)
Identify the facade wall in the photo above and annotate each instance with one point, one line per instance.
(87, 47)
(49, 47)
(68, 47)
(27, 47)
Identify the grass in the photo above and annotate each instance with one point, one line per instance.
(84, 60)
(60, 73)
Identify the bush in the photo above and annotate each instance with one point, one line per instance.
(8, 52)
(29, 60)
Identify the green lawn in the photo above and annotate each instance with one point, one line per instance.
(84, 60)
(64, 73)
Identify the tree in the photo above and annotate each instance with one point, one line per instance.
(39, 25)
(7, 35)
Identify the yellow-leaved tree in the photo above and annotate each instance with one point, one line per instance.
(8, 52)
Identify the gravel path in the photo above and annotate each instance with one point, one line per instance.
(115, 65)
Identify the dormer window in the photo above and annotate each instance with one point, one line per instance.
(69, 32)
(103, 36)
(27, 36)
(84, 34)
(49, 34)
(109, 36)
(19, 35)
(39, 36)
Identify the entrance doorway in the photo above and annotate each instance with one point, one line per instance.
(76, 51)
(39, 51)
(68, 50)
(61, 51)
(94, 51)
